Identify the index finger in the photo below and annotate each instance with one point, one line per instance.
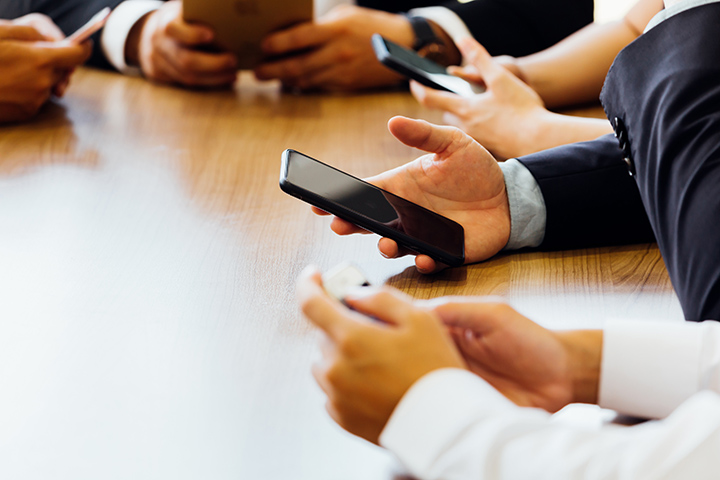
(188, 34)
(437, 99)
(324, 312)
(303, 36)
(67, 56)
(20, 32)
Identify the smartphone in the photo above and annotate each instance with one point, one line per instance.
(93, 25)
(372, 208)
(407, 62)
(343, 278)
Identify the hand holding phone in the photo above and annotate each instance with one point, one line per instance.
(376, 210)
(83, 33)
(410, 64)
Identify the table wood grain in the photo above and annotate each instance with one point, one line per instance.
(148, 326)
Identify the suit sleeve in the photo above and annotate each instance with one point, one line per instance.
(589, 197)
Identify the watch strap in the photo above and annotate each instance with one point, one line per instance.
(424, 33)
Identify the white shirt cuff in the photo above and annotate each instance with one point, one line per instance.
(528, 214)
(649, 368)
(435, 412)
(117, 29)
(445, 19)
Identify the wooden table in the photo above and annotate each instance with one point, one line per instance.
(148, 327)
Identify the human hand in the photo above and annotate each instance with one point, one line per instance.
(505, 118)
(368, 365)
(42, 24)
(50, 32)
(530, 365)
(166, 49)
(335, 52)
(459, 179)
(32, 70)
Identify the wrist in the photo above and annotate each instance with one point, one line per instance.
(451, 54)
(584, 356)
(400, 31)
(132, 44)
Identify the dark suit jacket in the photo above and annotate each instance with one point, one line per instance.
(511, 27)
(662, 95)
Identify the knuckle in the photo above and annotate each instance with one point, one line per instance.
(184, 61)
(458, 136)
(335, 377)
(293, 68)
(348, 345)
(309, 307)
(345, 53)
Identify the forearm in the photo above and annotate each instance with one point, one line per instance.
(550, 130)
(584, 351)
(573, 71)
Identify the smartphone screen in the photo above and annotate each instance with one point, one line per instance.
(372, 208)
(415, 67)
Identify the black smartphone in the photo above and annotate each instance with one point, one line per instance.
(407, 62)
(372, 208)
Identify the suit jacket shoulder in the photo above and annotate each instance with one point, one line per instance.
(663, 96)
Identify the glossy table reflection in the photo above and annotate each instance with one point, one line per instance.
(148, 327)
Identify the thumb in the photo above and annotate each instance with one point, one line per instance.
(481, 316)
(387, 304)
(478, 57)
(425, 136)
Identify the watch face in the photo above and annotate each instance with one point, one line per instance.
(435, 52)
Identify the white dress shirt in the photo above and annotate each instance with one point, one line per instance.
(129, 12)
(452, 425)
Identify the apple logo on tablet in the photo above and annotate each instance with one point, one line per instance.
(247, 7)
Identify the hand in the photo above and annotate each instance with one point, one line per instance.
(32, 69)
(42, 24)
(50, 32)
(530, 365)
(459, 180)
(368, 365)
(335, 52)
(506, 118)
(166, 49)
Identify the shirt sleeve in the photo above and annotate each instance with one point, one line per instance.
(445, 19)
(650, 368)
(117, 29)
(451, 425)
(527, 206)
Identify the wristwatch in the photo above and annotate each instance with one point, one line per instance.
(427, 44)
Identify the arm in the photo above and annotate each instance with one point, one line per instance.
(573, 71)
(484, 435)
